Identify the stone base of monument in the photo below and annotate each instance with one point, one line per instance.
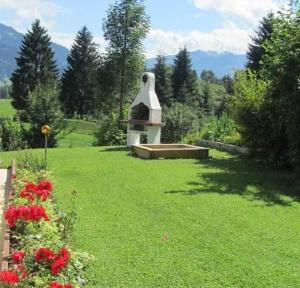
(169, 151)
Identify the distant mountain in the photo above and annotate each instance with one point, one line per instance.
(220, 63)
(10, 41)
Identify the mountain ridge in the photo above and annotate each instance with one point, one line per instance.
(220, 63)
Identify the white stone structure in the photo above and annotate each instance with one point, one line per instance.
(145, 114)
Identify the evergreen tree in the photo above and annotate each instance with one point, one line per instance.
(35, 64)
(79, 79)
(107, 99)
(44, 108)
(184, 78)
(209, 76)
(228, 84)
(125, 27)
(256, 49)
(163, 85)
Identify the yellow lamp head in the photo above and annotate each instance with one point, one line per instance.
(45, 129)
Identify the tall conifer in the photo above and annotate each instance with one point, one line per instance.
(163, 85)
(184, 78)
(35, 65)
(256, 49)
(79, 79)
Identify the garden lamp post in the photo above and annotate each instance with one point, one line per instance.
(46, 130)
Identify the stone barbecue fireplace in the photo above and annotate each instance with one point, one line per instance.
(145, 114)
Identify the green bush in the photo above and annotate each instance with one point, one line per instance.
(44, 109)
(179, 120)
(221, 129)
(12, 135)
(108, 131)
(253, 114)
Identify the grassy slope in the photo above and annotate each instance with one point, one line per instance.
(229, 223)
(6, 109)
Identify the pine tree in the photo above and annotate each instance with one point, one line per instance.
(256, 50)
(35, 65)
(209, 76)
(125, 27)
(184, 78)
(79, 79)
(163, 85)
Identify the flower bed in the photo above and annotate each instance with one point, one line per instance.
(40, 252)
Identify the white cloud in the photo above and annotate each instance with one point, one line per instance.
(28, 10)
(228, 38)
(249, 11)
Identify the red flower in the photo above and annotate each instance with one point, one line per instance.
(25, 213)
(57, 285)
(45, 185)
(9, 277)
(17, 257)
(31, 191)
(45, 255)
(28, 191)
(64, 253)
(59, 264)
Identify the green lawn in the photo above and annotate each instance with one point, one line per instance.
(6, 109)
(82, 126)
(222, 222)
(75, 139)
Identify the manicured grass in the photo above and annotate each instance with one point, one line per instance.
(222, 222)
(82, 126)
(6, 109)
(75, 139)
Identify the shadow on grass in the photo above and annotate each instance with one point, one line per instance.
(237, 176)
(115, 149)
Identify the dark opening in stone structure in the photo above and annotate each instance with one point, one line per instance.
(145, 78)
(140, 112)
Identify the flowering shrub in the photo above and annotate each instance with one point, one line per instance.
(42, 191)
(25, 213)
(41, 256)
(9, 277)
(17, 257)
(58, 261)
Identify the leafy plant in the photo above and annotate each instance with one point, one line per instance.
(108, 131)
(12, 135)
(219, 129)
(179, 120)
(44, 108)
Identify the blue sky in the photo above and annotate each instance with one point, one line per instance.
(208, 25)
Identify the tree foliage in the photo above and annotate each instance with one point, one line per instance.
(124, 28)
(79, 79)
(179, 120)
(163, 86)
(281, 66)
(256, 49)
(184, 78)
(44, 109)
(35, 65)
